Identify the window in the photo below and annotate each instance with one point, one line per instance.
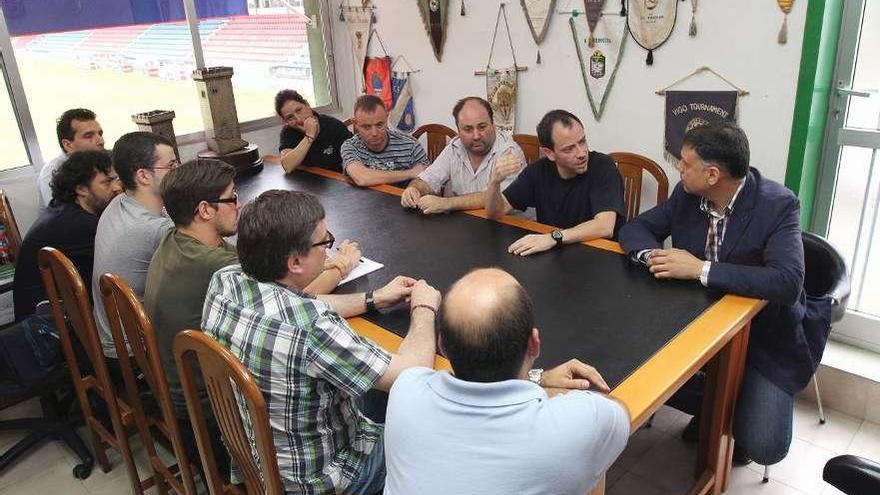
(122, 58)
(14, 153)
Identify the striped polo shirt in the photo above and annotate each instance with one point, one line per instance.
(402, 153)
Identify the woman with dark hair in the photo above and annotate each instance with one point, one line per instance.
(308, 138)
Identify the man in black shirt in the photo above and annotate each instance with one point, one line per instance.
(574, 189)
(308, 138)
(81, 188)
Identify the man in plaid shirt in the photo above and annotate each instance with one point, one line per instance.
(312, 368)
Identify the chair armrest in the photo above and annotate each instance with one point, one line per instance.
(853, 475)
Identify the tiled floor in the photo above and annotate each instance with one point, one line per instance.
(655, 462)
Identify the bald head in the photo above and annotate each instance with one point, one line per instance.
(485, 323)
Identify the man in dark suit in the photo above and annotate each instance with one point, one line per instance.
(737, 232)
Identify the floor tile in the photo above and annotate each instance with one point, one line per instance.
(669, 464)
(632, 484)
(34, 463)
(866, 442)
(639, 444)
(802, 468)
(835, 435)
(744, 481)
(671, 421)
(55, 477)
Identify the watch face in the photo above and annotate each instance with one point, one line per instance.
(556, 235)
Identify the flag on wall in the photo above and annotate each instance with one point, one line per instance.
(358, 20)
(501, 92)
(599, 50)
(377, 79)
(651, 22)
(435, 14)
(402, 115)
(686, 110)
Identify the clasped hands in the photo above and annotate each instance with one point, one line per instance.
(674, 263)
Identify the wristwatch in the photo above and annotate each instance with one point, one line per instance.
(369, 302)
(556, 235)
(536, 375)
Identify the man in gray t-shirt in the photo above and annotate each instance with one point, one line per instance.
(496, 427)
(378, 155)
(133, 224)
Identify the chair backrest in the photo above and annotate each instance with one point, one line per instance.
(13, 236)
(825, 272)
(72, 309)
(438, 134)
(631, 166)
(130, 323)
(220, 370)
(349, 122)
(528, 143)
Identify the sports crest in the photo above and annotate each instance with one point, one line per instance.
(435, 14)
(599, 61)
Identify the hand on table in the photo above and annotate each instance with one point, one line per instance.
(531, 244)
(410, 197)
(574, 375)
(674, 263)
(506, 165)
(430, 204)
(346, 258)
(393, 292)
(425, 295)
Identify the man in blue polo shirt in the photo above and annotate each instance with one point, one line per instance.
(578, 191)
(493, 428)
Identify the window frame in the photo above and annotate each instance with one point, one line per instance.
(28, 133)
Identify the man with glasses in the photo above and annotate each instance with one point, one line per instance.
(133, 224)
(378, 155)
(320, 369)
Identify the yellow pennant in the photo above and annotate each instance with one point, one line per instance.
(785, 7)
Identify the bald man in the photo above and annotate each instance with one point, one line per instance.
(493, 428)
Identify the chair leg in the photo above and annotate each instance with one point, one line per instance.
(819, 400)
(650, 421)
(766, 474)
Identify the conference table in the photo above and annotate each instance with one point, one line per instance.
(646, 336)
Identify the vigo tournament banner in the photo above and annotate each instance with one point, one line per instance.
(686, 110)
(599, 53)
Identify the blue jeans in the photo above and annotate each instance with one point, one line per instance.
(762, 423)
(372, 477)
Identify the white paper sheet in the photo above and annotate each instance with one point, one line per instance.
(364, 267)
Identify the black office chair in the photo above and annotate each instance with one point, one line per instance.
(853, 475)
(825, 275)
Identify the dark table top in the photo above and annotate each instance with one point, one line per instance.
(590, 303)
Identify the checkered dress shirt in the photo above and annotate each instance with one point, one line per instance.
(311, 367)
(715, 233)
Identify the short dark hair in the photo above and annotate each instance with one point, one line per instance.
(545, 126)
(64, 124)
(195, 181)
(494, 348)
(274, 226)
(286, 95)
(460, 104)
(134, 151)
(368, 104)
(724, 144)
(78, 169)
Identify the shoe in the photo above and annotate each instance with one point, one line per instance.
(691, 432)
(740, 458)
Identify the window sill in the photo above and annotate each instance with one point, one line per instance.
(853, 360)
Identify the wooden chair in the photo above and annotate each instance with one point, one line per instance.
(437, 136)
(13, 236)
(219, 370)
(72, 309)
(130, 323)
(631, 166)
(349, 122)
(528, 143)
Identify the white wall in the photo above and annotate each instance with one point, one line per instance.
(735, 38)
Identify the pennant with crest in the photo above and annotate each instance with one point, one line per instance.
(600, 59)
(650, 23)
(435, 14)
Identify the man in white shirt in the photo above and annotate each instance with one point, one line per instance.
(459, 175)
(492, 428)
(77, 130)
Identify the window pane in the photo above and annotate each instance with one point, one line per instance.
(275, 44)
(865, 112)
(14, 153)
(115, 58)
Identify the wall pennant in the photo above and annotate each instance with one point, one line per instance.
(377, 74)
(402, 114)
(692, 31)
(538, 17)
(501, 83)
(359, 21)
(650, 23)
(435, 14)
(593, 10)
(785, 7)
(599, 61)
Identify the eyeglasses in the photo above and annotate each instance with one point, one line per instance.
(329, 242)
(232, 199)
(171, 165)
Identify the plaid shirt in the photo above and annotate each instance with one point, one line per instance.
(716, 230)
(311, 367)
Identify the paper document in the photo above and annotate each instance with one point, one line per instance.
(363, 267)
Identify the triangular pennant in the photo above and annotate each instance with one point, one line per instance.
(599, 64)
(402, 115)
(359, 21)
(435, 14)
(538, 16)
(650, 23)
(593, 9)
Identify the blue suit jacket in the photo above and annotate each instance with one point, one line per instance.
(761, 256)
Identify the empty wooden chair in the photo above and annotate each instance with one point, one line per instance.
(631, 166)
(129, 322)
(13, 236)
(72, 310)
(528, 143)
(220, 370)
(437, 134)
